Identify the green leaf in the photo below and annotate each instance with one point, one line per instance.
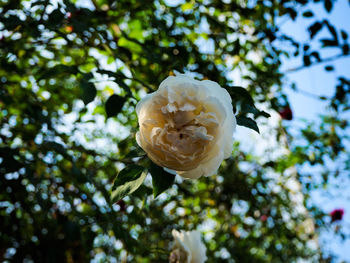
(247, 108)
(332, 31)
(247, 122)
(314, 29)
(329, 68)
(241, 97)
(161, 179)
(264, 114)
(316, 55)
(11, 22)
(126, 52)
(344, 35)
(114, 104)
(308, 14)
(127, 181)
(328, 5)
(329, 42)
(58, 70)
(307, 61)
(292, 13)
(240, 94)
(88, 91)
(56, 17)
(187, 6)
(87, 76)
(8, 162)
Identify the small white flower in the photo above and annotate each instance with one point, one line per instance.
(188, 248)
(187, 126)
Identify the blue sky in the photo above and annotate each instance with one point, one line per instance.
(316, 80)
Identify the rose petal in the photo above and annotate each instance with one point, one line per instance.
(187, 126)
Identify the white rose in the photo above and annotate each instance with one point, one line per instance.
(188, 248)
(187, 126)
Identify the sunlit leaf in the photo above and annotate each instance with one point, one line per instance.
(127, 181)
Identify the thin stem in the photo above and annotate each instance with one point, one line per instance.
(312, 95)
(329, 59)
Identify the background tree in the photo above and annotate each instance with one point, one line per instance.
(71, 75)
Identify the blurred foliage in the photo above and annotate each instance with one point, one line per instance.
(71, 73)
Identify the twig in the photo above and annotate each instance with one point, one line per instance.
(312, 95)
(329, 59)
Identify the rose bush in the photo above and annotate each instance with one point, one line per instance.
(187, 126)
(188, 248)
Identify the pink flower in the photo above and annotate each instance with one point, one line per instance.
(337, 214)
(263, 218)
(286, 113)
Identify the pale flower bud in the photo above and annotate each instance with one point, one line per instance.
(188, 248)
(187, 126)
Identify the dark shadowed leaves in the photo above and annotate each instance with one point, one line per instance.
(114, 104)
(316, 55)
(242, 99)
(161, 179)
(307, 61)
(314, 29)
(329, 68)
(308, 14)
(240, 94)
(329, 43)
(58, 70)
(247, 122)
(293, 14)
(88, 91)
(8, 162)
(328, 5)
(332, 30)
(127, 181)
(344, 35)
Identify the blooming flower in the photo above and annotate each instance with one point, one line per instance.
(187, 126)
(188, 248)
(337, 214)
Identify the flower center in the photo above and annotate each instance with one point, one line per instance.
(179, 128)
(178, 256)
(182, 135)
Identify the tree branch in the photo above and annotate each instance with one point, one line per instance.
(329, 59)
